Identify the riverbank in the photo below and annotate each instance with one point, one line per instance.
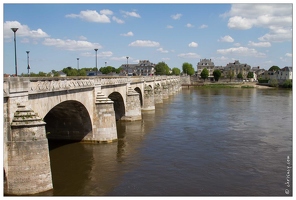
(228, 85)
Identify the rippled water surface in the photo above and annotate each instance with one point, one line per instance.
(199, 142)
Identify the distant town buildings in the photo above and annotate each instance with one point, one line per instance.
(143, 68)
(208, 64)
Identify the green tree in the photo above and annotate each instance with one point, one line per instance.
(274, 68)
(287, 84)
(187, 68)
(239, 76)
(217, 74)
(250, 75)
(204, 74)
(107, 70)
(162, 68)
(273, 82)
(176, 71)
(230, 74)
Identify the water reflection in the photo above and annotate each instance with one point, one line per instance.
(228, 141)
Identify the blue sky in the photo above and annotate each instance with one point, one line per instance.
(57, 34)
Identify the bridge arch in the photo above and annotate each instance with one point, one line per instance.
(68, 120)
(119, 106)
(137, 89)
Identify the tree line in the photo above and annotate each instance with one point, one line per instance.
(161, 68)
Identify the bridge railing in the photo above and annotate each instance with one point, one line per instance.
(51, 84)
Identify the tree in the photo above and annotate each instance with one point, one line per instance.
(107, 70)
(217, 74)
(187, 68)
(250, 75)
(162, 68)
(204, 74)
(239, 76)
(230, 74)
(274, 68)
(176, 71)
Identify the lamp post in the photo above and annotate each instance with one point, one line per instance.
(14, 31)
(78, 63)
(105, 64)
(127, 64)
(96, 62)
(28, 62)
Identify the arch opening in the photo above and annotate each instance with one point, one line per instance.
(119, 107)
(68, 121)
(140, 95)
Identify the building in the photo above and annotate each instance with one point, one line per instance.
(285, 74)
(209, 65)
(237, 68)
(143, 68)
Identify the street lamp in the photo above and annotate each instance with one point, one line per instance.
(28, 62)
(105, 64)
(78, 63)
(96, 62)
(14, 31)
(127, 64)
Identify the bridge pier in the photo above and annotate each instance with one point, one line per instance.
(104, 121)
(133, 106)
(28, 170)
(157, 94)
(148, 98)
(165, 91)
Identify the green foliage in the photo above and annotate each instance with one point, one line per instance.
(204, 74)
(261, 80)
(217, 74)
(230, 74)
(162, 68)
(274, 68)
(273, 83)
(239, 75)
(107, 70)
(187, 68)
(250, 75)
(176, 71)
(287, 84)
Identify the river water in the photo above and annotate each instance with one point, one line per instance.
(199, 142)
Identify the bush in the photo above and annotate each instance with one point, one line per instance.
(287, 84)
(273, 83)
(261, 80)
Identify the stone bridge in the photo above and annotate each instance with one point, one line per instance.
(81, 109)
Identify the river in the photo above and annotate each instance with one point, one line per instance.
(199, 142)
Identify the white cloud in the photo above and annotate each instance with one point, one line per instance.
(82, 37)
(176, 16)
(23, 30)
(71, 45)
(241, 51)
(131, 14)
(117, 20)
(106, 12)
(288, 54)
(203, 26)
(91, 16)
(122, 58)
(163, 59)
(277, 18)
(189, 25)
(226, 38)
(144, 43)
(193, 44)
(169, 26)
(105, 54)
(162, 50)
(259, 44)
(127, 34)
(189, 55)
(277, 34)
(237, 44)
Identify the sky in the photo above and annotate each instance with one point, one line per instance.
(57, 34)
